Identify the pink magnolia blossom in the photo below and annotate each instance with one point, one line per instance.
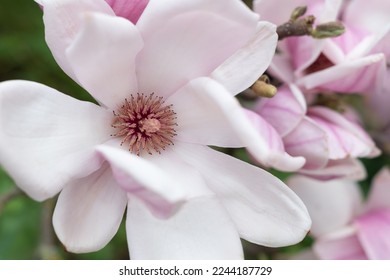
(374, 18)
(166, 90)
(328, 141)
(344, 226)
(349, 63)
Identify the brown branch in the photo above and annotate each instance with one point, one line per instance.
(303, 26)
(299, 27)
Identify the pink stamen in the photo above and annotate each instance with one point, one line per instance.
(145, 123)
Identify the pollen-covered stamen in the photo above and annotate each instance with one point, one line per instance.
(145, 124)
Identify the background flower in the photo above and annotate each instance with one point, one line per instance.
(112, 59)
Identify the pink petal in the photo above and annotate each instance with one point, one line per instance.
(358, 75)
(59, 35)
(89, 211)
(344, 248)
(348, 168)
(303, 50)
(189, 39)
(369, 15)
(132, 10)
(200, 230)
(373, 231)
(144, 180)
(282, 68)
(264, 210)
(331, 204)
(47, 138)
(345, 138)
(308, 140)
(285, 110)
(245, 66)
(209, 115)
(379, 196)
(103, 58)
(377, 103)
(278, 158)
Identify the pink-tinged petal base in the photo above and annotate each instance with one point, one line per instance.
(47, 138)
(144, 180)
(201, 230)
(132, 10)
(89, 211)
(264, 210)
(373, 231)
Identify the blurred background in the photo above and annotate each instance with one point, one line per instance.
(25, 225)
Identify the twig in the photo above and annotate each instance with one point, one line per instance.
(7, 197)
(303, 26)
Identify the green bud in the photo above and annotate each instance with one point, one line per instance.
(298, 12)
(328, 30)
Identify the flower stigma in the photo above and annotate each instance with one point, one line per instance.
(145, 124)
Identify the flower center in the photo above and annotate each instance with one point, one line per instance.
(145, 124)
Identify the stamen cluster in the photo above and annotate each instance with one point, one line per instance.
(145, 123)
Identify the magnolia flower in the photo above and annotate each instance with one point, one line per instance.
(344, 227)
(373, 19)
(165, 90)
(328, 141)
(349, 63)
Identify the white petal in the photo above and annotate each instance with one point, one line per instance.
(240, 70)
(358, 75)
(62, 20)
(189, 39)
(331, 204)
(89, 211)
(264, 209)
(200, 230)
(278, 158)
(103, 57)
(379, 196)
(47, 138)
(207, 114)
(143, 179)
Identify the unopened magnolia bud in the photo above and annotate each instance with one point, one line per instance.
(263, 89)
(328, 30)
(298, 12)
